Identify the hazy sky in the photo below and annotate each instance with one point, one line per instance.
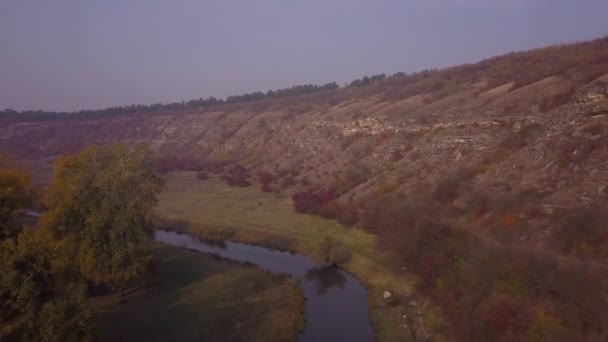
(75, 54)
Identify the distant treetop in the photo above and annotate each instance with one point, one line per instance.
(39, 115)
(580, 62)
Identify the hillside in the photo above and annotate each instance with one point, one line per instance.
(530, 124)
(512, 149)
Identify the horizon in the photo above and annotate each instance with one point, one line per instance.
(52, 79)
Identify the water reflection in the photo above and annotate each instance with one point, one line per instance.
(325, 278)
(336, 302)
(214, 242)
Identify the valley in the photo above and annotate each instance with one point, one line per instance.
(463, 198)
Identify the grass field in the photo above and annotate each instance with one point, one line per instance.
(195, 297)
(209, 208)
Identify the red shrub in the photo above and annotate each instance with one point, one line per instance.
(265, 177)
(505, 317)
(431, 267)
(329, 210)
(237, 176)
(310, 202)
(215, 167)
(266, 188)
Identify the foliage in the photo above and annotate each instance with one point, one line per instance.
(97, 211)
(334, 252)
(16, 195)
(28, 290)
(347, 215)
(353, 175)
(266, 178)
(584, 231)
(311, 201)
(31, 305)
(294, 90)
(237, 176)
(67, 319)
(488, 291)
(451, 186)
(367, 80)
(192, 104)
(26, 283)
(295, 319)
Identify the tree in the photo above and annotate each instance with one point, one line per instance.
(67, 319)
(97, 214)
(16, 195)
(31, 307)
(26, 283)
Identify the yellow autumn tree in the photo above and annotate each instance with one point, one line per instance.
(16, 196)
(98, 207)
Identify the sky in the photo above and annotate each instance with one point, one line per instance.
(65, 55)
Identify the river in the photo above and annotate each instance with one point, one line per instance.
(336, 301)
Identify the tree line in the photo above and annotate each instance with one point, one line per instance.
(39, 115)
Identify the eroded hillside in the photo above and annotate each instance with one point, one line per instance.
(487, 181)
(534, 140)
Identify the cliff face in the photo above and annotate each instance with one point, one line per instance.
(540, 145)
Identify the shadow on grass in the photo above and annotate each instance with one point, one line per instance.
(194, 297)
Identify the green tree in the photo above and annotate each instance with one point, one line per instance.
(98, 207)
(67, 318)
(31, 308)
(16, 195)
(26, 283)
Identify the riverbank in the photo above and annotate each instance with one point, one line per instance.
(194, 296)
(336, 302)
(211, 209)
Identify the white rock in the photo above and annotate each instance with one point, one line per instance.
(386, 295)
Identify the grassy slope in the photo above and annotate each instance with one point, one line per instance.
(250, 215)
(195, 297)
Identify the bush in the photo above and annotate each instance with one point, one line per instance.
(334, 252)
(215, 167)
(347, 216)
(266, 178)
(329, 210)
(583, 231)
(288, 181)
(310, 201)
(202, 175)
(237, 176)
(450, 188)
(489, 291)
